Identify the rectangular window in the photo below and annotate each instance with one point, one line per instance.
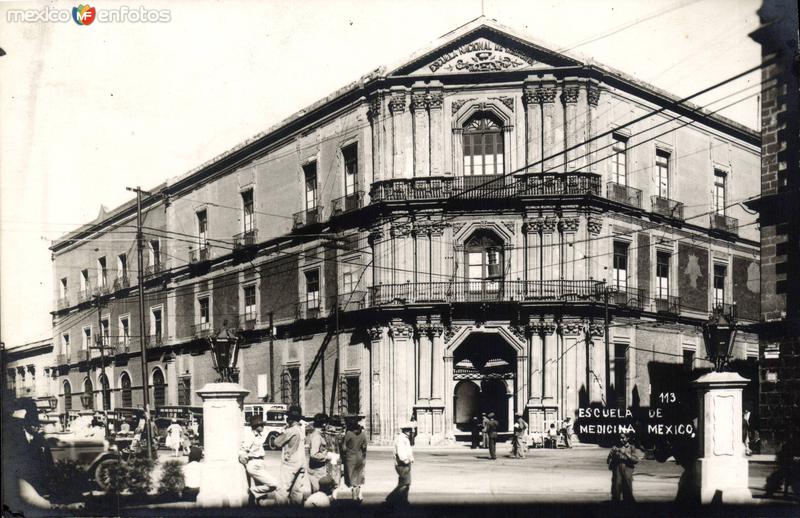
(249, 303)
(310, 175)
(294, 385)
(720, 272)
(353, 395)
(185, 390)
(65, 348)
(122, 266)
(62, 288)
(688, 360)
(87, 338)
(84, 280)
(619, 166)
(475, 266)
(105, 331)
(202, 228)
(662, 275)
(248, 211)
(348, 284)
(350, 155)
(154, 255)
(125, 330)
(620, 266)
(204, 313)
(312, 289)
(720, 179)
(102, 272)
(662, 173)
(155, 324)
(620, 374)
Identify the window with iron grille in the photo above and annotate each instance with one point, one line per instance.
(310, 176)
(619, 166)
(353, 395)
(620, 266)
(350, 155)
(88, 388)
(125, 390)
(662, 173)
(720, 272)
(720, 180)
(249, 303)
(483, 146)
(159, 388)
(294, 385)
(620, 374)
(248, 210)
(662, 275)
(185, 390)
(312, 289)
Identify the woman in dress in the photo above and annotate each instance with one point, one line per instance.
(174, 440)
(354, 456)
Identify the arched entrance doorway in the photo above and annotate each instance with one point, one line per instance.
(484, 372)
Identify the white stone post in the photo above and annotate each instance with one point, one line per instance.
(722, 467)
(224, 481)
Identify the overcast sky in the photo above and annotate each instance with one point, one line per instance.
(87, 110)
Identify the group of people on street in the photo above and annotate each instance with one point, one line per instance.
(484, 435)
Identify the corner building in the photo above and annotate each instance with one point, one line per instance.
(501, 227)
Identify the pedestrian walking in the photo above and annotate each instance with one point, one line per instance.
(334, 434)
(490, 429)
(484, 422)
(621, 461)
(174, 439)
(355, 456)
(293, 481)
(520, 439)
(317, 452)
(403, 459)
(251, 456)
(567, 431)
(475, 428)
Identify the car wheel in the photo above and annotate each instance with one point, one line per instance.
(103, 473)
(270, 442)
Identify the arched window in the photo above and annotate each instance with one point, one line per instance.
(105, 389)
(483, 146)
(67, 396)
(125, 390)
(159, 389)
(88, 395)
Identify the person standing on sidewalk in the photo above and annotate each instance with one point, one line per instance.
(293, 459)
(520, 437)
(484, 422)
(174, 440)
(567, 431)
(475, 425)
(317, 452)
(621, 461)
(251, 456)
(490, 429)
(355, 457)
(403, 458)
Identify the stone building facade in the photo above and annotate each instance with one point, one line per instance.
(487, 226)
(28, 371)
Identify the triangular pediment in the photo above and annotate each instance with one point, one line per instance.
(481, 48)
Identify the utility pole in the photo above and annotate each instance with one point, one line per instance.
(272, 358)
(142, 341)
(102, 347)
(606, 325)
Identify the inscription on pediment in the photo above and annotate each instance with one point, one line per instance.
(481, 55)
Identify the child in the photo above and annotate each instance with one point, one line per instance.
(321, 498)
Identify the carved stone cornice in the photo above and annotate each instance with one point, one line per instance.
(398, 103)
(569, 224)
(531, 97)
(375, 333)
(458, 103)
(450, 331)
(595, 225)
(547, 94)
(571, 327)
(533, 226)
(401, 229)
(593, 329)
(508, 101)
(521, 332)
(435, 100)
(375, 235)
(593, 94)
(570, 94)
(400, 330)
(549, 225)
(419, 101)
(375, 106)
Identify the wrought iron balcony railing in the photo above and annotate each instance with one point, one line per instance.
(101, 290)
(632, 298)
(350, 301)
(485, 187)
(201, 254)
(122, 347)
(727, 310)
(62, 359)
(724, 223)
(85, 294)
(666, 207)
(308, 309)
(247, 320)
(155, 340)
(246, 239)
(668, 304)
(202, 330)
(307, 217)
(153, 269)
(121, 282)
(347, 203)
(624, 194)
(83, 355)
(487, 291)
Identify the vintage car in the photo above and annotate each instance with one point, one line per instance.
(274, 416)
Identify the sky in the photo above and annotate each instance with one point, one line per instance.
(86, 111)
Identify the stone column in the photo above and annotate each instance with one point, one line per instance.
(552, 129)
(424, 381)
(223, 480)
(597, 362)
(550, 364)
(594, 225)
(419, 111)
(402, 373)
(379, 400)
(569, 226)
(550, 261)
(378, 261)
(533, 249)
(375, 116)
(438, 269)
(536, 364)
(436, 114)
(397, 107)
(422, 240)
(592, 98)
(436, 331)
(722, 469)
(570, 331)
(569, 96)
(533, 125)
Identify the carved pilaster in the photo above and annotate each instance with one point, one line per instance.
(570, 94)
(435, 100)
(593, 93)
(595, 225)
(571, 327)
(569, 224)
(531, 97)
(399, 329)
(375, 235)
(419, 101)
(547, 95)
(398, 103)
(375, 333)
(401, 229)
(375, 106)
(549, 225)
(593, 329)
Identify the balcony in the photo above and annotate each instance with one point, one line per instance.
(101, 290)
(246, 239)
(83, 355)
(201, 254)
(307, 217)
(62, 359)
(725, 310)
(202, 330)
(247, 321)
(122, 348)
(85, 295)
(486, 187)
(153, 269)
(624, 194)
(62, 303)
(486, 291)
(308, 309)
(121, 282)
(350, 301)
(155, 340)
(631, 298)
(723, 223)
(668, 305)
(668, 208)
(347, 203)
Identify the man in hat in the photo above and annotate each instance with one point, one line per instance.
(293, 459)
(403, 458)
(251, 455)
(621, 461)
(317, 452)
(490, 430)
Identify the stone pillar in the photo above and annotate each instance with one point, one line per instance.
(594, 225)
(533, 125)
(402, 373)
(552, 126)
(569, 226)
(550, 245)
(438, 269)
(397, 106)
(437, 383)
(550, 364)
(592, 98)
(597, 362)
(569, 360)
(448, 405)
(536, 365)
(379, 400)
(419, 111)
(378, 259)
(436, 115)
(223, 481)
(533, 246)
(422, 240)
(375, 115)
(569, 96)
(722, 469)
(424, 381)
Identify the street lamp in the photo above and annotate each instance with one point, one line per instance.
(86, 400)
(719, 333)
(225, 353)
